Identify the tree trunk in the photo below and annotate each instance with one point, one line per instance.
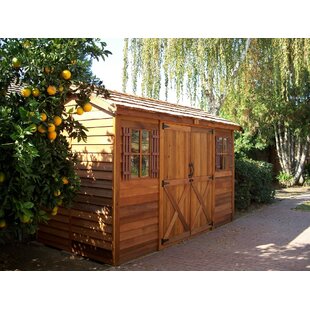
(292, 152)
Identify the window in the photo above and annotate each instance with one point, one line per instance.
(140, 153)
(223, 155)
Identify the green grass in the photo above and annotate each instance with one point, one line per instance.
(303, 207)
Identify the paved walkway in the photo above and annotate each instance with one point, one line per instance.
(272, 238)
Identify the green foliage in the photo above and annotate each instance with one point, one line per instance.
(303, 207)
(247, 142)
(253, 182)
(285, 178)
(197, 67)
(307, 175)
(32, 165)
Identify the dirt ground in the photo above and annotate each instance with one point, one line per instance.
(33, 256)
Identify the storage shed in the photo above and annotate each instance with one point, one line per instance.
(153, 173)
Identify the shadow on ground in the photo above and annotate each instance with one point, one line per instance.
(33, 256)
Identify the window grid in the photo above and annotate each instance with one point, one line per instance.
(151, 156)
(223, 156)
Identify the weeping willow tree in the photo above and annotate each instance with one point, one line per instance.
(203, 69)
(262, 83)
(272, 97)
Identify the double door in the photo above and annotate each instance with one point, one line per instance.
(186, 182)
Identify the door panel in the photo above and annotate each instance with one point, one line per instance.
(187, 183)
(201, 182)
(176, 186)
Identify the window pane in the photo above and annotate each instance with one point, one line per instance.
(225, 145)
(145, 141)
(219, 145)
(224, 165)
(135, 141)
(145, 166)
(218, 162)
(134, 166)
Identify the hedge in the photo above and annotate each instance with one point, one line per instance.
(253, 182)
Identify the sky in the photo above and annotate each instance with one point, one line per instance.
(110, 70)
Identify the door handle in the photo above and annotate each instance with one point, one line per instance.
(191, 170)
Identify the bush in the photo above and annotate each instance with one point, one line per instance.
(285, 179)
(306, 175)
(253, 181)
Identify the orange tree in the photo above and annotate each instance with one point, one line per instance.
(37, 78)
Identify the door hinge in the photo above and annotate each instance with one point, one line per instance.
(163, 183)
(163, 241)
(164, 126)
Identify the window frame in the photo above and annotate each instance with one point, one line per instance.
(152, 154)
(223, 153)
(141, 153)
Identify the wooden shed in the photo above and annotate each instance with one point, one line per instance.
(153, 173)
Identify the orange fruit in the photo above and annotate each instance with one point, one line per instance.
(57, 193)
(87, 107)
(16, 63)
(66, 74)
(41, 129)
(61, 89)
(25, 219)
(47, 70)
(2, 223)
(52, 135)
(2, 177)
(54, 211)
(73, 61)
(25, 92)
(35, 92)
(33, 127)
(65, 180)
(43, 117)
(51, 127)
(57, 120)
(79, 111)
(51, 90)
(26, 44)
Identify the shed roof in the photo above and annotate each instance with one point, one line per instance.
(158, 106)
(153, 105)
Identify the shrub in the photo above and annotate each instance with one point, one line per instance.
(285, 179)
(253, 181)
(307, 175)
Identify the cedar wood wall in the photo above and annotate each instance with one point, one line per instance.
(137, 206)
(86, 228)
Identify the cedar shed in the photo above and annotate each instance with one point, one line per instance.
(152, 174)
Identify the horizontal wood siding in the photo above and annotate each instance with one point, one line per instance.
(138, 218)
(86, 228)
(224, 188)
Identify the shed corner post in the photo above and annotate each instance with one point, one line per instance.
(233, 175)
(116, 187)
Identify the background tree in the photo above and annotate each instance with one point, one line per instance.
(263, 84)
(37, 78)
(271, 99)
(203, 69)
